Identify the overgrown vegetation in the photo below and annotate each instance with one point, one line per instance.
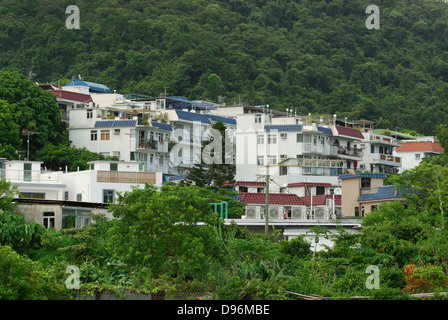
(168, 238)
(316, 56)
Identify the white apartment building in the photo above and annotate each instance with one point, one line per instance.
(379, 154)
(295, 152)
(104, 179)
(412, 152)
(33, 181)
(60, 200)
(189, 130)
(127, 139)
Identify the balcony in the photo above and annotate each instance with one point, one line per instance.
(126, 177)
(34, 176)
(386, 159)
(349, 153)
(380, 139)
(325, 150)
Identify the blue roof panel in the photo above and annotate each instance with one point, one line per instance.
(162, 126)
(284, 127)
(384, 192)
(93, 87)
(191, 116)
(115, 123)
(325, 130)
(363, 175)
(216, 118)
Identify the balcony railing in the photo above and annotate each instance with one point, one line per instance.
(349, 152)
(388, 159)
(318, 148)
(126, 177)
(31, 176)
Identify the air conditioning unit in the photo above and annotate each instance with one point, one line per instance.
(298, 212)
(283, 135)
(283, 156)
(253, 212)
(276, 213)
(116, 153)
(320, 213)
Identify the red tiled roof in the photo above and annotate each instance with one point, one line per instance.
(309, 184)
(344, 131)
(246, 183)
(320, 200)
(420, 146)
(74, 96)
(274, 198)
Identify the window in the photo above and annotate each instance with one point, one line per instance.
(356, 212)
(283, 171)
(105, 135)
(48, 220)
(66, 195)
(320, 190)
(299, 137)
(79, 197)
(32, 195)
(114, 167)
(314, 140)
(89, 114)
(272, 139)
(365, 182)
(260, 160)
(417, 156)
(27, 172)
(108, 196)
(260, 139)
(93, 135)
(243, 189)
(258, 119)
(260, 190)
(272, 159)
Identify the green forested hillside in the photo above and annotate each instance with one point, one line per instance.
(317, 56)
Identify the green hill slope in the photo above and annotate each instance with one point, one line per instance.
(316, 56)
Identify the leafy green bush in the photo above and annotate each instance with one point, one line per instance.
(22, 279)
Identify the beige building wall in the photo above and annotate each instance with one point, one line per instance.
(34, 213)
(351, 190)
(349, 196)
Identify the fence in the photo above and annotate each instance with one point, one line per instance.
(126, 177)
(132, 295)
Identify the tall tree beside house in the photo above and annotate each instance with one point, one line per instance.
(31, 110)
(10, 139)
(216, 166)
(442, 136)
(57, 157)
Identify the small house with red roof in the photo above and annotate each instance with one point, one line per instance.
(413, 152)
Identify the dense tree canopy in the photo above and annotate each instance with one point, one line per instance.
(316, 56)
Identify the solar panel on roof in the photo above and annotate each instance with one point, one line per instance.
(115, 123)
(286, 127)
(162, 126)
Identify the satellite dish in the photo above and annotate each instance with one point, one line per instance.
(338, 191)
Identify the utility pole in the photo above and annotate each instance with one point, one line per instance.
(28, 133)
(266, 207)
